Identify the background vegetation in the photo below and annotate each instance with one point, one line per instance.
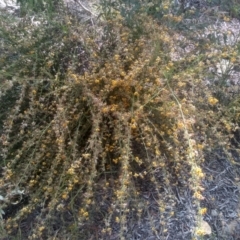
(95, 112)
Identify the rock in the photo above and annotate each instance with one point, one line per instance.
(205, 228)
(9, 4)
(214, 213)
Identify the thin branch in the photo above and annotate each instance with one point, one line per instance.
(85, 8)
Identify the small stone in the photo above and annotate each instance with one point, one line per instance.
(206, 228)
(214, 213)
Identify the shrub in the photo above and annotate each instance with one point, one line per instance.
(96, 116)
(49, 6)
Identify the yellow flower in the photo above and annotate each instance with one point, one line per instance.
(64, 196)
(233, 60)
(114, 83)
(133, 126)
(122, 74)
(212, 100)
(154, 164)
(197, 171)
(49, 63)
(157, 152)
(226, 19)
(85, 214)
(203, 211)
(116, 57)
(135, 175)
(115, 160)
(180, 125)
(198, 195)
(200, 232)
(105, 109)
(71, 171)
(181, 84)
(158, 59)
(200, 146)
(41, 228)
(88, 155)
(165, 7)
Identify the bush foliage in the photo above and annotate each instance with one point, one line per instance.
(94, 111)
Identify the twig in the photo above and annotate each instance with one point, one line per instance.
(85, 8)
